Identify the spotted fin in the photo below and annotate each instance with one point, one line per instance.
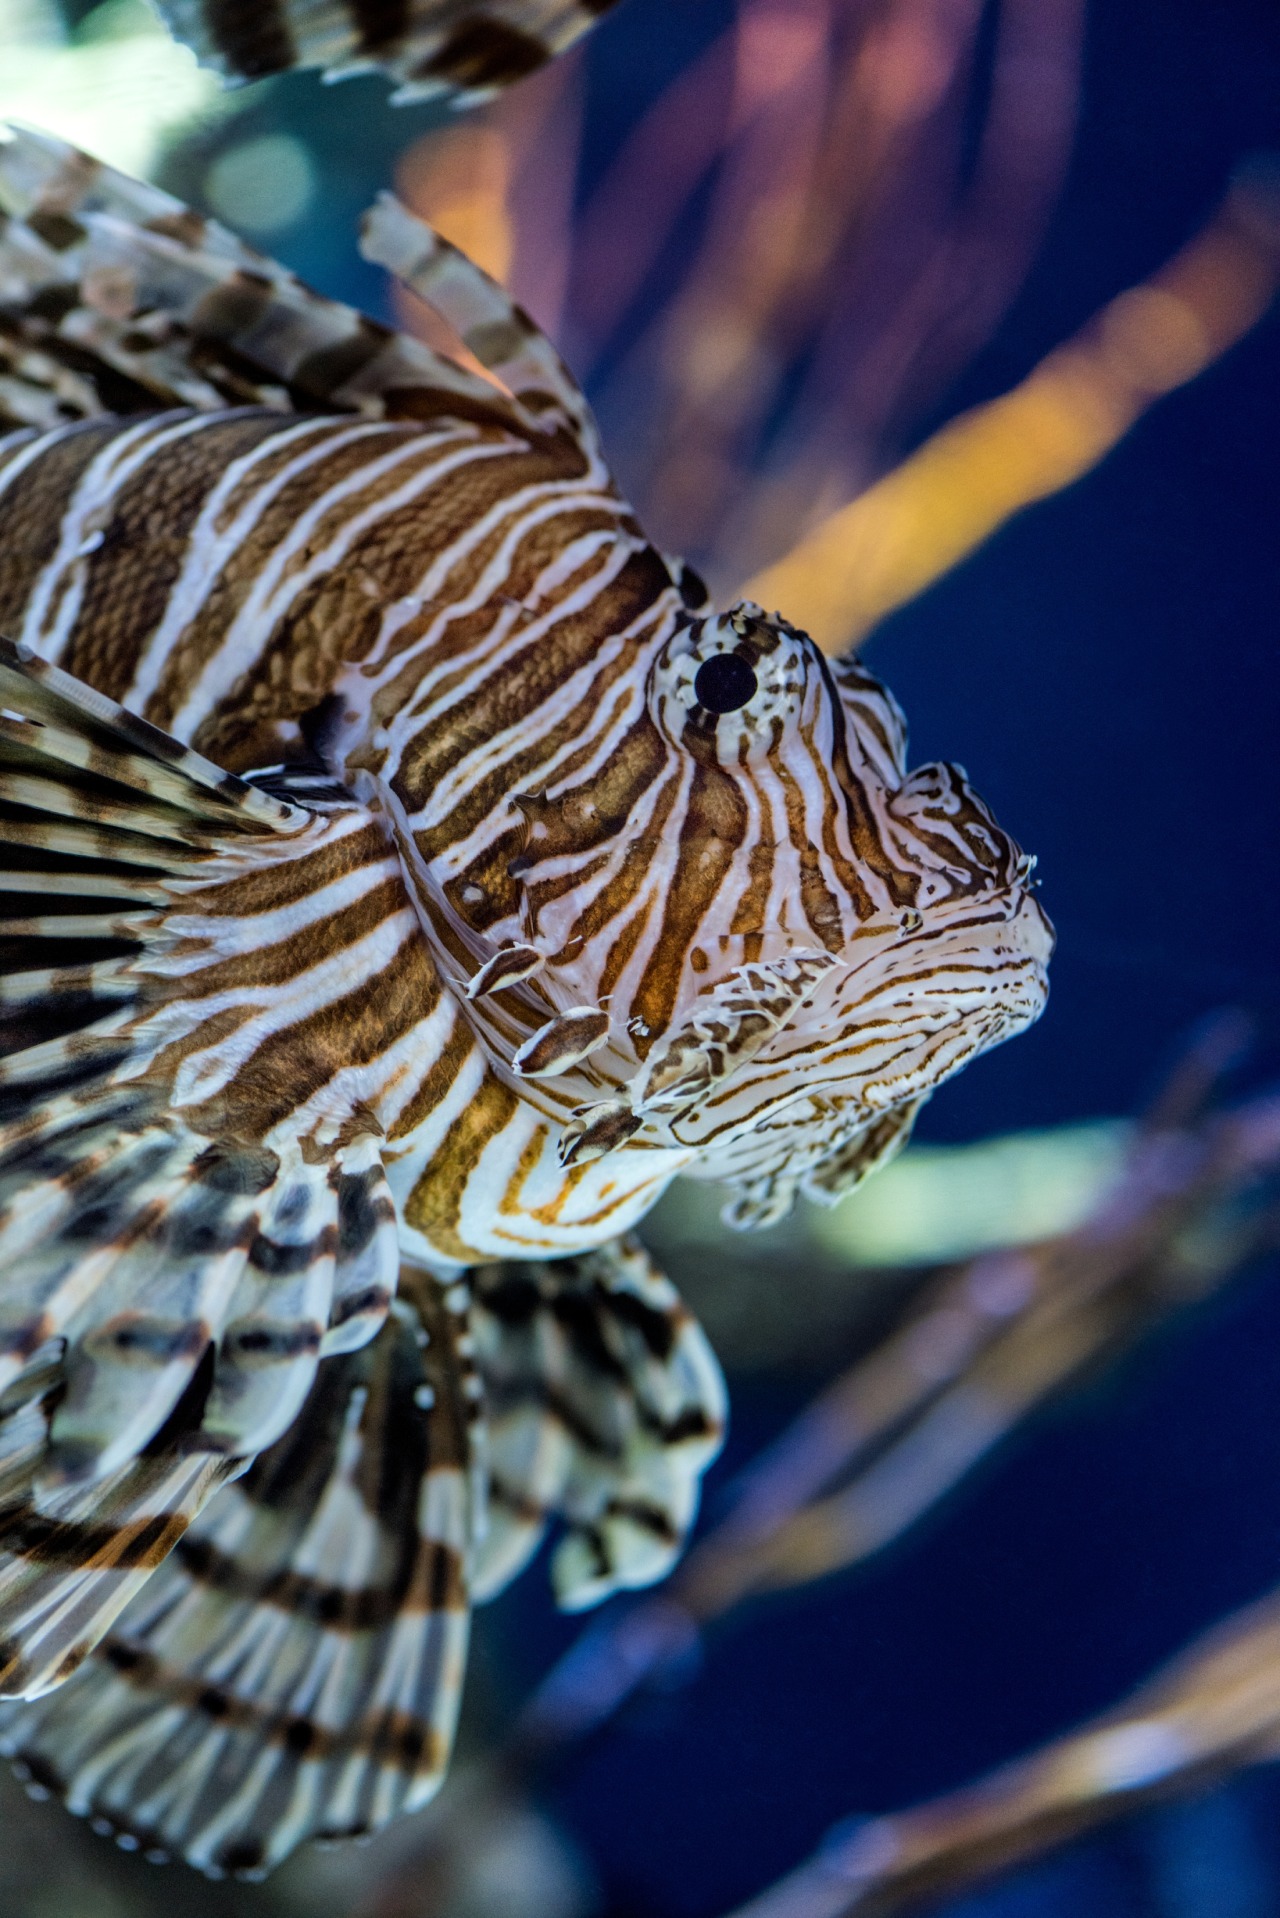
(431, 48)
(294, 1667)
(188, 1175)
(117, 298)
(604, 1406)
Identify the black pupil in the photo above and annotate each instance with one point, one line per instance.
(724, 683)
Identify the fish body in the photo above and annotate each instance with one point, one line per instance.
(411, 874)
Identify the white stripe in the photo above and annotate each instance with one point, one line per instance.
(277, 586)
(100, 483)
(210, 546)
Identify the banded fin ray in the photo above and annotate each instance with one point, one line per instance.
(432, 49)
(121, 299)
(605, 1404)
(69, 1566)
(294, 1667)
(490, 325)
(181, 1181)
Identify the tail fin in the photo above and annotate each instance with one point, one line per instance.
(432, 48)
(202, 989)
(294, 1668)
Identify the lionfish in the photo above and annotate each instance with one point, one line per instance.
(409, 874)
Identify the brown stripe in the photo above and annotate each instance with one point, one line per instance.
(432, 1583)
(294, 1061)
(435, 1204)
(487, 483)
(481, 52)
(864, 834)
(517, 1502)
(713, 827)
(458, 1048)
(392, 1739)
(128, 580)
(294, 686)
(380, 23)
(275, 883)
(328, 368)
(33, 507)
(519, 684)
(252, 35)
(817, 901)
(503, 1398)
(70, 1546)
(307, 945)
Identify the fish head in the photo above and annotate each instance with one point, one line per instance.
(765, 940)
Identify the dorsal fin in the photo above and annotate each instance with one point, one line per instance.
(491, 326)
(431, 48)
(121, 299)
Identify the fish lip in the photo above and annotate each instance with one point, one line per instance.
(1025, 927)
(1013, 906)
(1011, 911)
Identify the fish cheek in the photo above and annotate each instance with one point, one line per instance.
(712, 830)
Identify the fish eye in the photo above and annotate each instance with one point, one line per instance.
(724, 683)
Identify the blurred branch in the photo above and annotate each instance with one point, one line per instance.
(975, 1352)
(1215, 1709)
(808, 231)
(930, 512)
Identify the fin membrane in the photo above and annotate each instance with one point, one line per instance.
(294, 1667)
(604, 1406)
(115, 298)
(186, 1206)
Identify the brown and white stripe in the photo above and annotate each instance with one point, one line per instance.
(294, 1666)
(451, 48)
(404, 863)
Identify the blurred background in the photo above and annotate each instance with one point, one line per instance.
(954, 318)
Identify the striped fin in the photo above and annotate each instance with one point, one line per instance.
(70, 1565)
(179, 1182)
(294, 1667)
(604, 1406)
(490, 325)
(118, 298)
(433, 49)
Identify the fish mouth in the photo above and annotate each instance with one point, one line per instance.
(838, 1090)
(969, 986)
(895, 1025)
(872, 1034)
